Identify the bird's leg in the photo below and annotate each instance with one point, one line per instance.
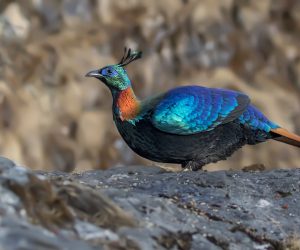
(192, 165)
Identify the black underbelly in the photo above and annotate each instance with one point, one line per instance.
(153, 144)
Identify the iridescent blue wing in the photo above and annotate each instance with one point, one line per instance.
(255, 119)
(193, 109)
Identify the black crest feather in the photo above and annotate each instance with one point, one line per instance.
(129, 56)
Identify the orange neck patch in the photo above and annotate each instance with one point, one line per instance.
(128, 104)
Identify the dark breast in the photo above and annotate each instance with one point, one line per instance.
(153, 144)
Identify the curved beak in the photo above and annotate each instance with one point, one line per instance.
(94, 73)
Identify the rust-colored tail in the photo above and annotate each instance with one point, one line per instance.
(286, 137)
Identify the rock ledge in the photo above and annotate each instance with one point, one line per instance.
(148, 208)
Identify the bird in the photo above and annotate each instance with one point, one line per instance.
(188, 125)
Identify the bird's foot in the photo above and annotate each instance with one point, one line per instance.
(192, 166)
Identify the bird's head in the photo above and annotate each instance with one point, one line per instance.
(115, 76)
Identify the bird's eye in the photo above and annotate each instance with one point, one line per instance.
(108, 72)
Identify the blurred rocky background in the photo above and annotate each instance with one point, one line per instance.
(51, 117)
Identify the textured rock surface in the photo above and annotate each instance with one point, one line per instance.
(148, 208)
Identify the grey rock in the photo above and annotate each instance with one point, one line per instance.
(50, 14)
(229, 209)
(13, 24)
(140, 207)
(77, 11)
(17, 234)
